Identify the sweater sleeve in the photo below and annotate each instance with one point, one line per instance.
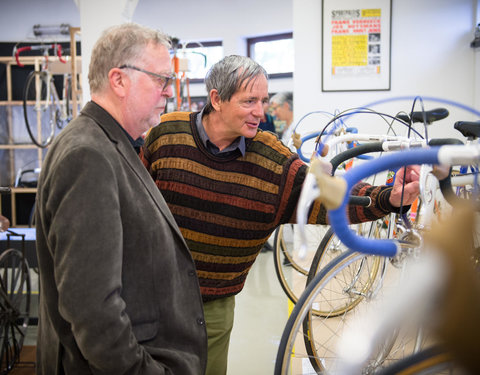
(379, 207)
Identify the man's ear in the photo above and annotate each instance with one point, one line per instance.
(215, 99)
(118, 81)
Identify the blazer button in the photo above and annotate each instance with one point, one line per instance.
(200, 321)
(191, 273)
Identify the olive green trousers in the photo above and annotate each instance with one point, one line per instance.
(219, 320)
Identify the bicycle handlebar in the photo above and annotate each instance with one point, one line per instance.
(449, 155)
(56, 47)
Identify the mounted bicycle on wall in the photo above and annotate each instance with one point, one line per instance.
(44, 109)
(183, 59)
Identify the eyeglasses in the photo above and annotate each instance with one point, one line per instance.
(161, 80)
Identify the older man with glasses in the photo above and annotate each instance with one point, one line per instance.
(119, 290)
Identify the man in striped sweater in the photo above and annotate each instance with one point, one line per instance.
(229, 185)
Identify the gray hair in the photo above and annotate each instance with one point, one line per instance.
(230, 74)
(120, 45)
(282, 97)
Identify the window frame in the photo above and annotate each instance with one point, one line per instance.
(269, 38)
(198, 44)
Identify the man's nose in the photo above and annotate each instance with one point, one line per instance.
(168, 92)
(258, 110)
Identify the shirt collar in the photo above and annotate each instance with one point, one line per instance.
(136, 143)
(237, 144)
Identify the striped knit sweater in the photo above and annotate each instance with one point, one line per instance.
(227, 208)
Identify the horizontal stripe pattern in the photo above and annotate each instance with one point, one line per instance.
(226, 176)
(226, 208)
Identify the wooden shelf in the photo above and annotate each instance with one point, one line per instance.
(16, 203)
(15, 146)
(15, 142)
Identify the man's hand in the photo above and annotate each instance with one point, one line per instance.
(412, 186)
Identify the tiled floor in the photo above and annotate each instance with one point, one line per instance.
(260, 314)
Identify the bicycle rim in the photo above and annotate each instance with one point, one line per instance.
(291, 355)
(38, 110)
(347, 287)
(329, 304)
(64, 112)
(433, 360)
(15, 291)
(291, 269)
(323, 333)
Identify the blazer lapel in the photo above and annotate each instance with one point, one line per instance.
(115, 134)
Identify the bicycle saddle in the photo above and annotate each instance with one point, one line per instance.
(430, 116)
(469, 129)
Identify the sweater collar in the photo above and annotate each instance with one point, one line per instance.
(237, 144)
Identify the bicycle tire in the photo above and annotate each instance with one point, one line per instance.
(66, 105)
(328, 249)
(347, 289)
(293, 327)
(15, 293)
(35, 111)
(291, 271)
(324, 332)
(433, 360)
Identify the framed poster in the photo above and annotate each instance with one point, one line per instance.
(356, 36)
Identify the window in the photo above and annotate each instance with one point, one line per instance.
(274, 52)
(200, 56)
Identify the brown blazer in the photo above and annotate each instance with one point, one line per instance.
(118, 286)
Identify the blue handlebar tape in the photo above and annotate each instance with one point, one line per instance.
(338, 217)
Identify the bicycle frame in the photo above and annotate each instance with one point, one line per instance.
(450, 155)
(447, 155)
(40, 88)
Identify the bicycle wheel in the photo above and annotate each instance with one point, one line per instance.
(322, 333)
(65, 108)
(38, 110)
(335, 301)
(291, 268)
(349, 287)
(432, 360)
(15, 290)
(290, 356)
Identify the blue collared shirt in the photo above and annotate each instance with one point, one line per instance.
(237, 144)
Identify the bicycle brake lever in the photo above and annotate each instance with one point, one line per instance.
(319, 183)
(310, 192)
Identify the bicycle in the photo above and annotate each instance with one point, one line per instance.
(444, 281)
(354, 284)
(375, 247)
(290, 269)
(373, 144)
(15, 293)
(294, 270)
(43, 109)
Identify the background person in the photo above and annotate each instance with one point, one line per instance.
(119, 292)
(281, 105)
(267, 122)
(230, 186)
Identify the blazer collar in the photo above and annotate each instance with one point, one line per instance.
(118, 136)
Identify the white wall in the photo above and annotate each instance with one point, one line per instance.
(430, 44)
(228, 20)
(17, 17)
(430, 57)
